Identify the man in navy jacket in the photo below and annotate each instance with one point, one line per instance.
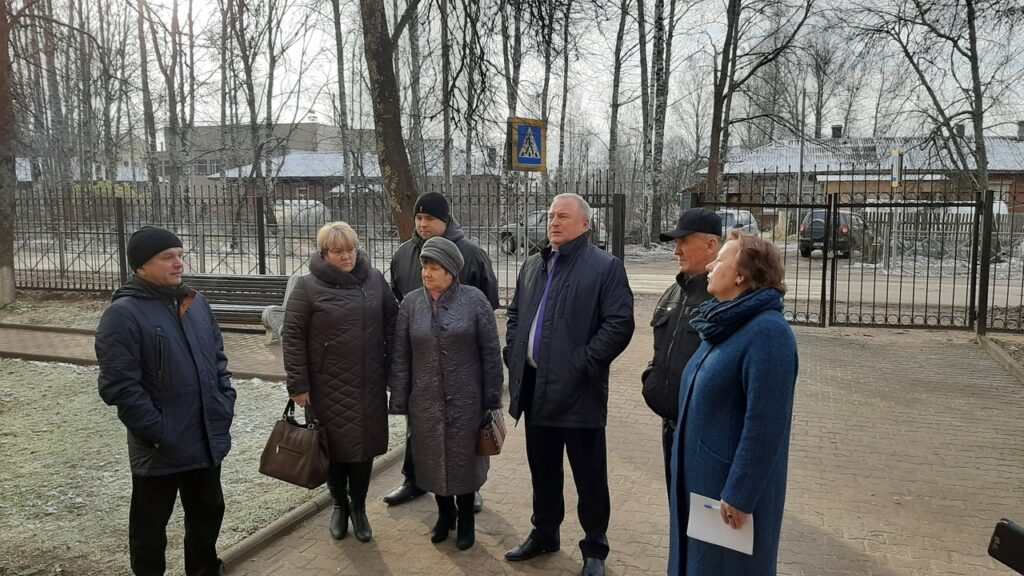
(571, 316)
(162, 363)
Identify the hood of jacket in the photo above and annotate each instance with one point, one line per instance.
(331, 274)
(138, 288)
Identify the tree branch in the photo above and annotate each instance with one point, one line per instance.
(410, 9)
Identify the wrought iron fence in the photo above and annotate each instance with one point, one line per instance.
(857, 251)
(73, 238)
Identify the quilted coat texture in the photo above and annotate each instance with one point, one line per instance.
(162, 363)
(338, 327)
(446, 374)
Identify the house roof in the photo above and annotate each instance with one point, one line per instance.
(327, 165)
(1005, 155)
(23, 170)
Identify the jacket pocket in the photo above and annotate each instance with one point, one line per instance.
(714, 454)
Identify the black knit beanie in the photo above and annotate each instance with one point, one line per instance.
(147, 242)
(432, 203)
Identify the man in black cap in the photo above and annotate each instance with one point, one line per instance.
(162, 363)
(697, 236)
(433, 218)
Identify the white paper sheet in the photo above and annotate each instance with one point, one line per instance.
(706, 525)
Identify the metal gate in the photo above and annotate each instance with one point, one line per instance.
(864, 256)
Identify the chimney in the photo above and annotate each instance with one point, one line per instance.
(1020, 129)
(837, 131)
(960, 130)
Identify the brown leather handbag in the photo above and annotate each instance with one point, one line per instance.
(492, 434)
(296, 453)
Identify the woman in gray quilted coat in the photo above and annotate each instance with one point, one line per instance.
(446, 375)
(338, 326)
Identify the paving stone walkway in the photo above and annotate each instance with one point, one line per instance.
(907, 447)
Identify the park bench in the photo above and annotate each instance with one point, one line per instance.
(239, 299)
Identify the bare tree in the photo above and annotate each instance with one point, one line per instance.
(748, 46)
(394, 163)
(960, 73)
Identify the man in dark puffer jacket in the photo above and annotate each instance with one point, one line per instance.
(697, 239)
(162, 363)
(433, 218)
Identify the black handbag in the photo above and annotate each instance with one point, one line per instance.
(296, 453)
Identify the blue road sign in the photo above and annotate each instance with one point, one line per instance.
(530, 151)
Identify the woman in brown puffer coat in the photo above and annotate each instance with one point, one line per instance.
(446, 375)
(338, 328)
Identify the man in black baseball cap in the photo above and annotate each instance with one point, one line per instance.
(694, 220)
(697, 236)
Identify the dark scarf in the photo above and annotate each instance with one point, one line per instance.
(716, 321)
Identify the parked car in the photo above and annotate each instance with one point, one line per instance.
(850, 233)
(741, 220)
(531, 232)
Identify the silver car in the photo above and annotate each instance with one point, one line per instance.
(741, 220)
(531, 232)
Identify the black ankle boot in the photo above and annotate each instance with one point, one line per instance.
(339, 521)
(446, 519)
(360, 523)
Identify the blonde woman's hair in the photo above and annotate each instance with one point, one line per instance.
(336, 235)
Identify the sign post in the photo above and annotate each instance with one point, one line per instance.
(529, 144)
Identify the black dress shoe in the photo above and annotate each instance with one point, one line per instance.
(593, 567)
(530, 549)
(478, 502)
(402, 494)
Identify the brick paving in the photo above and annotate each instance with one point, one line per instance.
(907, 447)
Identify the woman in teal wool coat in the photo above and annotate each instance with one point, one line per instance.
(735, 411)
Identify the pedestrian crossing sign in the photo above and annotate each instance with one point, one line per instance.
(529, 148)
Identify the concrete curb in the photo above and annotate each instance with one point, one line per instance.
(56, 358)
(47, 328)
(1000, 356)
(235, 555)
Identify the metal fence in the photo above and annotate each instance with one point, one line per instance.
(73, 238)
(860, 252)
(857, 251)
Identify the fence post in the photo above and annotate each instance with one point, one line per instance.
(972, 299)
(619, 230)
(202, 249)
(281, 260)
(119, 230)
(261, 237)
(986, 263)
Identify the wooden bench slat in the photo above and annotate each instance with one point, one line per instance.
(239, 298)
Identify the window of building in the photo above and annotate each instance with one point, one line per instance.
(302, 191)
(215, 166)
(202, 167)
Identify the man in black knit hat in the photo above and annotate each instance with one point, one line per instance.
(162, 363)
(433, 218)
